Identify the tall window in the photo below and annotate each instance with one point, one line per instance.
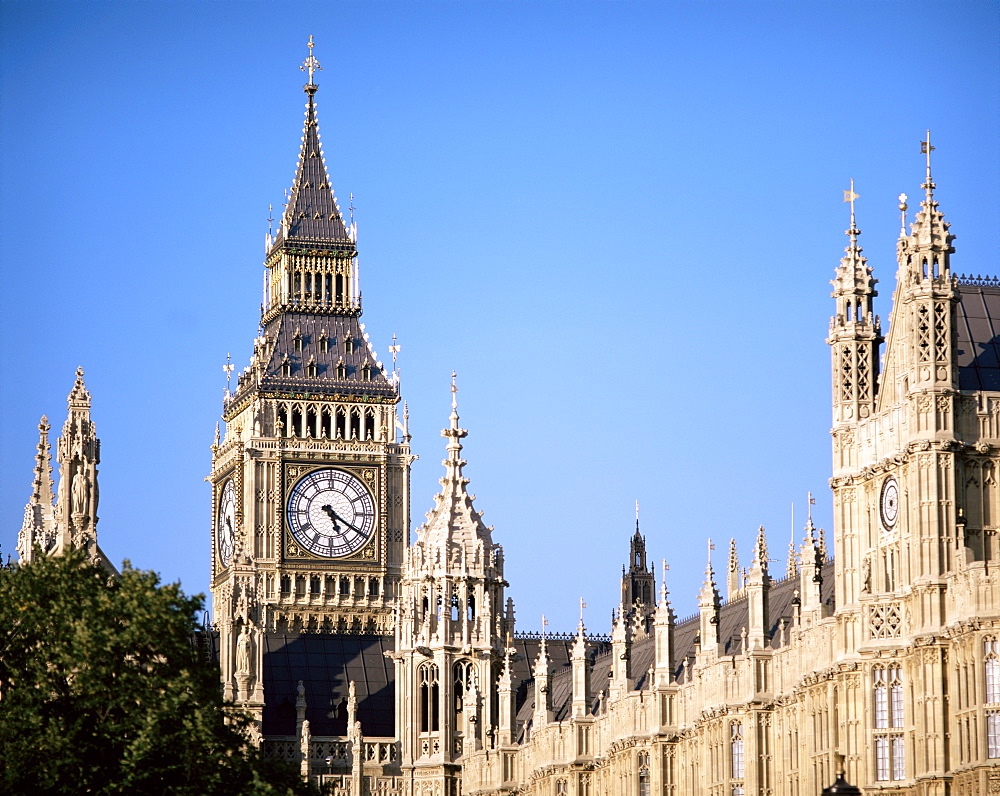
(890, 747)
(991, 668)
(993, 733)
(429, 692)
(643, 761)
(736, 749)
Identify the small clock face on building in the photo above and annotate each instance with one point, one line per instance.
(226, 531)
(889, 504)
(331, 513)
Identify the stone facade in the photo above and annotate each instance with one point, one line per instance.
(881, 661)
(378, 665)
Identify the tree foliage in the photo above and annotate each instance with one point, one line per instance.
(103, 691)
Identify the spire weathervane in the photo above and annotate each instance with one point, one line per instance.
(454, 391)
(311, 65)
(926, 149)
(850, 196)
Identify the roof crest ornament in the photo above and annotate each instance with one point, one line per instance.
(311, 65)
(902, 214)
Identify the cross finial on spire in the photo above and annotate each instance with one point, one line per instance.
(394, 349)
(454, 390)
(311, 65)
(228, 368)
(902, 214)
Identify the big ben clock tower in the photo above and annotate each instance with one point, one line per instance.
(310, 485)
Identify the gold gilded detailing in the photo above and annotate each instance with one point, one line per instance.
(311, 65)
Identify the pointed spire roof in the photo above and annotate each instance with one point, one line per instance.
(454, 518)
(929, 230)
(312, 217)
(79, 397)
(42, 492)
(39, 522)
(853, 275)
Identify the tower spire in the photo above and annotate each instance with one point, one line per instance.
(39, 526)
(454, 518)
(312, 217)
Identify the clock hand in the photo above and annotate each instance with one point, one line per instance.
(332, 514)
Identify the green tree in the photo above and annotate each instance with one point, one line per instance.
(102, 690)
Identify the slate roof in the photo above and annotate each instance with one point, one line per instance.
(978, 335)
(310, 328)
(326, 663)
(312, 218)
(732, 619)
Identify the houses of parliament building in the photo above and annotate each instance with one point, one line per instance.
(385, 661)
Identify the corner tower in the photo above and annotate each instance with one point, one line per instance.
(451, 636)
(310, 485)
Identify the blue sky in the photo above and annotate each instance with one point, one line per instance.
(616, 220)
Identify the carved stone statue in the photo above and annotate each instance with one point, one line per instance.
(243, 645)
(80, 492)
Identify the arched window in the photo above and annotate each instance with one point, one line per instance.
(355, 424)
(888, 715)
(736, 749)
(991, 670)
(369, 424)
(642, 760)
(464, 676)
(427, 676)
(341, 422)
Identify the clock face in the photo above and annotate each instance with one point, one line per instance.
(331, 513)
(889, 503)
(226, 531)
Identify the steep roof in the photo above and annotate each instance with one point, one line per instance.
(312, 217)
(977, 347)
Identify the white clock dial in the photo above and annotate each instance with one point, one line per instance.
(331, 513)
(889, 503)
(226, 530)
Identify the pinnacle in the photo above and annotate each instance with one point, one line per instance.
(79, 395)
